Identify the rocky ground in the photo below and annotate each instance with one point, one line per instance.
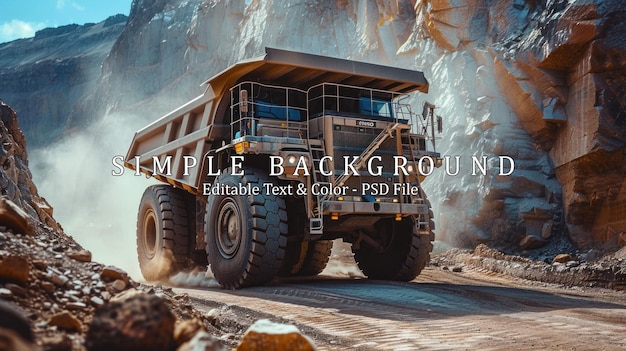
(586, 269)
(54, 297)
(69, 299)
(61, 292)
(559, 263)
(73, 303)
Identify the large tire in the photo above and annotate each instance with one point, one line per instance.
(306, 258)
(163, 232)
(246, 234)
(292, 263)
(317, 256)
(404, 256)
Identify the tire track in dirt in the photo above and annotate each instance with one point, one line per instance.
(441, 310)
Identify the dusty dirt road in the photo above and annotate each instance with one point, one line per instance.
(439, 310)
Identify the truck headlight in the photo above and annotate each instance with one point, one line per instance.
(292, 160)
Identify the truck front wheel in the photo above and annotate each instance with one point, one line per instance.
(246, 233)
(163, 227)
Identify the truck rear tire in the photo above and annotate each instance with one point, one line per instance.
(292, 262)
(306, 258)
(404, 256)
(163, 227)
(246, 234)
(316, 259)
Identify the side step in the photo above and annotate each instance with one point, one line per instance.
(316, 220)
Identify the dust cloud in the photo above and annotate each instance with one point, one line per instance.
(198, 278)
(96, 208)
(341, 263)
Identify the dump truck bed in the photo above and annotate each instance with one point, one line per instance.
(194, 128)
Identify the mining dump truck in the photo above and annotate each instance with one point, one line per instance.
(281, 155)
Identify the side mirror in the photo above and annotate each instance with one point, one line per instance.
(427, 110)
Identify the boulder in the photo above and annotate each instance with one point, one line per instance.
(13, 217)
(80, 256)
(67, 321)
(13, 319)
(267, 335)
(562, 258)
(112, 273)
(14, 269)
(139, 323)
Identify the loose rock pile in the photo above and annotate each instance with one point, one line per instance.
(608, 271)
(53, 297)
(70, 299)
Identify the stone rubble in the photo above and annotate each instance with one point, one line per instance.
(53, 297)
(607, 271)
(69, 301)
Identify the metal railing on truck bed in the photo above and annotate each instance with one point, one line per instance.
(203, 124)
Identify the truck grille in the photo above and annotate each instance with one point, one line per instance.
(352, 141)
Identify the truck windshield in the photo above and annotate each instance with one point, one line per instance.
(264, 109)
(374, 107)
(331, 98)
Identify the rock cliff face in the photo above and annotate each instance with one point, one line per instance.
(44, 76)
(541, 81)
(15, 178)
(560, 68)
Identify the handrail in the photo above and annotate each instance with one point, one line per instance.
(245, 121)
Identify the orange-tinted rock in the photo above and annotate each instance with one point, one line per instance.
(112, 273)
(13, 217)
(67, 321)
(563, 76)
(81, 256)
(562, 258)
(185, 330)
(266, 335)
(525, 100)
(14, 269)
